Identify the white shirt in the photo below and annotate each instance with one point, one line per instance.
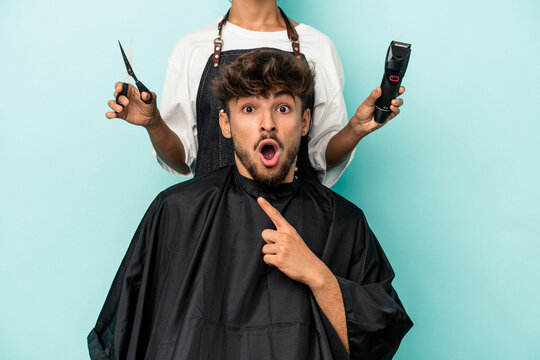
(190, 55)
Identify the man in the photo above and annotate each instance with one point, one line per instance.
(249, 262)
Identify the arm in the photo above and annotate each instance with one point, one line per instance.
(166, 143)
(376, 318)
(168, 146)
(363, 308)
(362, 123)
(325, 289)
(286, 250)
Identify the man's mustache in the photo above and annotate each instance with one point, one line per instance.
(268, 136)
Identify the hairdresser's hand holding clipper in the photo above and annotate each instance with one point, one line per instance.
(363, 122)
(381, 106)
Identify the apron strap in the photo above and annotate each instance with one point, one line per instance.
(218, 43)
(291, 34)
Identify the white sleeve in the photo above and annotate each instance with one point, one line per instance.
(329, 115)
(178, 106)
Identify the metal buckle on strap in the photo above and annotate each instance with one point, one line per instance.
(218, 45)
(296, 48)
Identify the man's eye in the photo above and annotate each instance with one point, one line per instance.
(248, 109)
(283, 109)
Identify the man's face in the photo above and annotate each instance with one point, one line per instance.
(266, 133)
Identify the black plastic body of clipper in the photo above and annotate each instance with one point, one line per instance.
(397, 59)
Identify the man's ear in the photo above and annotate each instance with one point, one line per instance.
(306, 118)
(225, 124)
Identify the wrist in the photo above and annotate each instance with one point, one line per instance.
(155, 123)
(355, 129)
(320, 277)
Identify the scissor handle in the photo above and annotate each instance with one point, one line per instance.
(124, 92)
(142, 88)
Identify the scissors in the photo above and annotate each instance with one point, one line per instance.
(139, 84)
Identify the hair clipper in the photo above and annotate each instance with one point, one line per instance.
(397, 59)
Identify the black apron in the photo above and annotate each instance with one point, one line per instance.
(214, 150)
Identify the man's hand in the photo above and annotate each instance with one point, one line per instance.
(362, 122)
(135, 111)
(286, 250)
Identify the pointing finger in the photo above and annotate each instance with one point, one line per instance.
(272, 213)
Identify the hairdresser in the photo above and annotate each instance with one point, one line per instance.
(185, 134)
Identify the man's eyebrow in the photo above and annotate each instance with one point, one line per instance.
(284, 93)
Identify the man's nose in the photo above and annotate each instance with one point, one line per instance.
(267, 122)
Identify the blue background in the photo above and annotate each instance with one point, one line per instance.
(450, 187)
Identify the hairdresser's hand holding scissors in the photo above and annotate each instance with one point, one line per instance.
(135, 105)
(363, 121)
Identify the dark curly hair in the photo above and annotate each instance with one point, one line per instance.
(261, 72)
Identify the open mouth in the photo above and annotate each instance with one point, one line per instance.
(268, 152)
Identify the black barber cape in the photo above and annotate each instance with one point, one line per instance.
(193, 284)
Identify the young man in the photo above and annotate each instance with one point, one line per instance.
(249, 262)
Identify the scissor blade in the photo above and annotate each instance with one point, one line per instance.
(130, 59)
(126, 61)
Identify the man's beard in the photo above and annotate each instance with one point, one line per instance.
(268, 181)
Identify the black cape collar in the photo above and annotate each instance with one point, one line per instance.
(284, 190)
